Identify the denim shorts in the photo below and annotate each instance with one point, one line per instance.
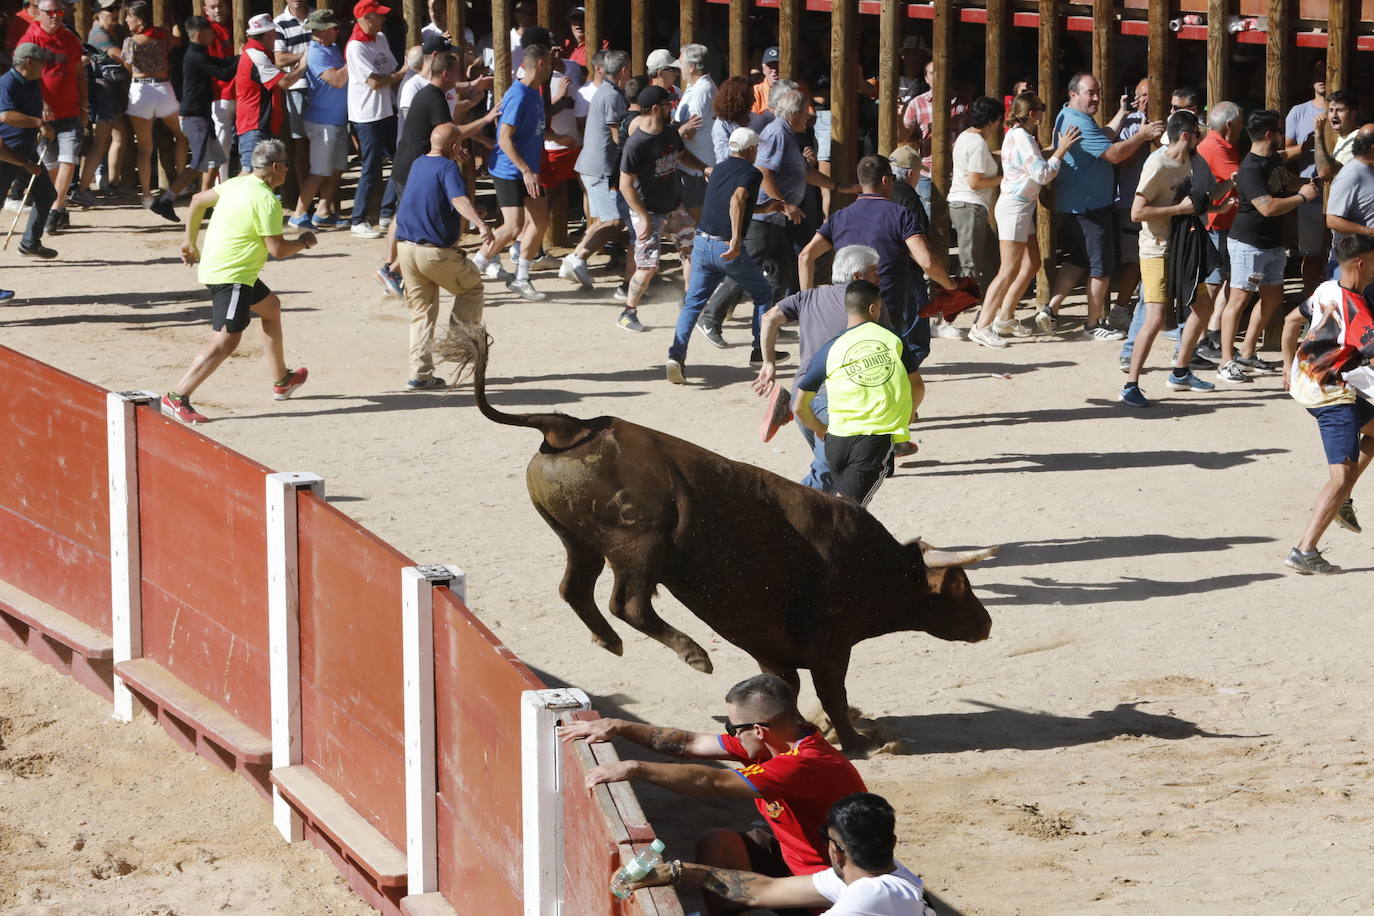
(1222, 273)
(1340, 426)
(1253, 267)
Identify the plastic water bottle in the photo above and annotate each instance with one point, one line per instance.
(637, 868)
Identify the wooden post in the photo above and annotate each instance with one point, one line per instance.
(544, 16)
(844, 96)
(1104, 30)
(413, 12)
(941, 149)
(277, 7)
(457, 11)
(1157, 62)
(240, 16)
(739, 37)
(500, 47)
(83, 18)
(789, 37)
(591, 24)
(159, 13)
(687, 23)
(1338, 46)
(639, 34)
(994, 69)
(889, 60)
(1049, 92)
(1218, 50)
(1275, 63)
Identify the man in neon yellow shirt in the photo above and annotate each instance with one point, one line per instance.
(868, 376)
(247, 226)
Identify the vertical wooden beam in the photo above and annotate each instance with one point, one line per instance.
(500, 46)
(414, 14)
(941, 149)
(83, 18)
(1338, 46)
(1218, 50)
(889, 60)
(456, 10)
(544, 15)
(994, 67)
(592, 26)
(239, 14)
(1275, 64)
(1104, 30)
(687, 23)
(1157, 62)
(639, 34)
(159, 13)
(739, 37)
(844, 95)
(789, 37)
(277, 7)
(1051, 93)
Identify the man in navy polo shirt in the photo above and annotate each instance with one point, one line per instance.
(428, 256)
(21, 100)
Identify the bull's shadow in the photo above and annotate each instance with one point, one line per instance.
(998, 728)
(1098, 409)
(1094, 461)
(1074, 550)
(1044, 591)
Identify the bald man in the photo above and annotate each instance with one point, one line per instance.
(427, 232)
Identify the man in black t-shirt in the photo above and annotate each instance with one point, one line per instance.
(652, 189)
(718, 252)
(1264, 186)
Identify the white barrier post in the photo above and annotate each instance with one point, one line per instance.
(541, 795)
(126, 595)
(417, 634)
(283, 632)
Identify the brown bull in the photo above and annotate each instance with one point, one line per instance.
(792, 576)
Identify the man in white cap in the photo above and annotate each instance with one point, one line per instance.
(718, 250)
(662, 70)
(258, 85)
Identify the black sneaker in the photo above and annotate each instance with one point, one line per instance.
(37, 251)
(1255, 364)
(1201, 362)
(756, 356)
(53, 224)
(1209, 349)
(64, 220)
(713, 335)
(165, 209)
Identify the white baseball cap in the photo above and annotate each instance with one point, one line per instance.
(261, 24)
(661, 59)
(743, 138)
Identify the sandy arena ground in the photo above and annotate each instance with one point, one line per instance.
(1163, 719)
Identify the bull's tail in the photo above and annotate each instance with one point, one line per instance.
(468, 345)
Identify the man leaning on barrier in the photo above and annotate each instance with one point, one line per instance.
(791, 772)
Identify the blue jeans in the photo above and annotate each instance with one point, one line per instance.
(376, 143)
(41, 197)
(247, 140)
(819, 477)
(924, 189)
(1138, 320)
(708, 269)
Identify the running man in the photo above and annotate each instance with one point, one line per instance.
(247, 226)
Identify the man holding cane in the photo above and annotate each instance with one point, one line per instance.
(21, 118)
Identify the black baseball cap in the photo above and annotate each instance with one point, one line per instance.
(433, 44)
(770, 55)
(536, 35)
(653, 95)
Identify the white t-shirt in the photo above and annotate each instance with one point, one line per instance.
(898, 894)
(365, 59)
(565, 122)
(699, 99)
(971, 154)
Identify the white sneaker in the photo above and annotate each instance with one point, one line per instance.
(1045, 321)
(947, 331)
(526, 290)
(384, 223)
(1011, 328)
(574, 268)
(366, 231)
(12, 205)
(494, 271)
(987, 337)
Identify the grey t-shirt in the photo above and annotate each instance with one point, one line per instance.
(1352, 195)
(600, 155)
(821, 316)
(780, 153)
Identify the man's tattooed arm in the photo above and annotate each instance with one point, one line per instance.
(731, 884)
(669, 741)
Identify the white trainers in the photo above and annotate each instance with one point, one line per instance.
(946, 331)
(1045, 321)
(526, 290)
(574, 268)
(366, 231)
(494, 271)
(384, 223)
(987, 337)
(1011, 328)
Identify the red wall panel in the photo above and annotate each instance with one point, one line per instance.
(590, 854)
(353, 730)
(204, 560)
(54, 489)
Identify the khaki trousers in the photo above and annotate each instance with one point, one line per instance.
(425, 271)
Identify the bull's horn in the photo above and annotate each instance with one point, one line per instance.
(938, 559)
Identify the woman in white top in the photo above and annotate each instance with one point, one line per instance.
(1025, 171)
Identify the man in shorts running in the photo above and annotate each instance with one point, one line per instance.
(1340, 341)
(247, 226)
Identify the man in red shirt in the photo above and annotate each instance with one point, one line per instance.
(1218, 149)
(64, 101)
(791, 772)
(223, 107)
(258, 85)
(19, 24)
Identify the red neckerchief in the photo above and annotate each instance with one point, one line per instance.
(360, 35)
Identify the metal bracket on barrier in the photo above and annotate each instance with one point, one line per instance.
(283, 631)
(541, 795)
(126, 596)
(417, 640)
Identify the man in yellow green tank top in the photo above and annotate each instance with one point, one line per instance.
(867, 374)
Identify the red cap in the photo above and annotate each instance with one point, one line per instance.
(363, 7)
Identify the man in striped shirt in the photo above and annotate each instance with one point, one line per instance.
(293, 38)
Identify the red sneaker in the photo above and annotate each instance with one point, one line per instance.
(178, 407)
(294, 379)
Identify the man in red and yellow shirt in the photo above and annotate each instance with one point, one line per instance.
(64, 100)
(791, 772)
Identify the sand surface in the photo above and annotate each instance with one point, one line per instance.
(1163, 719)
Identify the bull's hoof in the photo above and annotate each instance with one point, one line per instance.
(615, 648)
(859, 746)
(698, 659)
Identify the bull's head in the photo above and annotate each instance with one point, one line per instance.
(950, 610)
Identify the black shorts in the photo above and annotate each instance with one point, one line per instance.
(858, 464)
(1090, 240)
(231, 305)
(510, 192)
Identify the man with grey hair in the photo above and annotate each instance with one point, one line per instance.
(246, 228)
(1218, 149)
(820, 314)
(597, 166)
(695, 115)
(785, 177)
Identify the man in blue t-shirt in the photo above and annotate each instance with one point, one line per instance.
(326, 122)
(427, 252)
(21, 98)
(514, 171)
(1084, 195)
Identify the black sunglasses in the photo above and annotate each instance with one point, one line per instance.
(734, 728)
